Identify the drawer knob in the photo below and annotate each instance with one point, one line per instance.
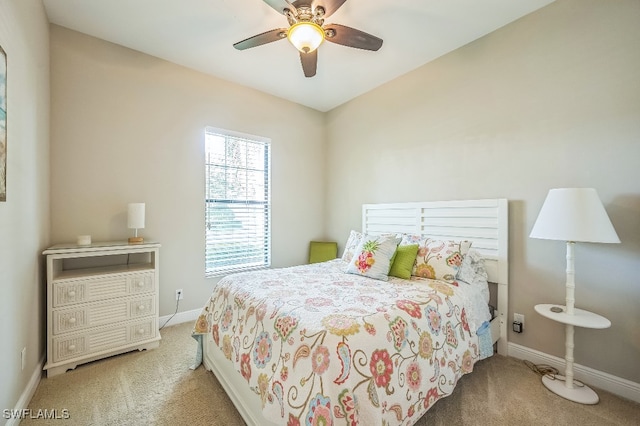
(71, 293)
(141, 307)
(140, 284)
(72, 348)
(141, 331)
(72, 320)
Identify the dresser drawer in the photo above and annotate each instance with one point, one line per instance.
(89, 289)
(143, 331)
(103, 339)
(97, 314)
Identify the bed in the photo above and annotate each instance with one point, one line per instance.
(322, 343)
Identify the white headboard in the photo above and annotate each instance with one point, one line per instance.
(483, 222)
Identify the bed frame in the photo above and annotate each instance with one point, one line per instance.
(484, 222)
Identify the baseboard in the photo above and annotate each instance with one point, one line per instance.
(27, 394)
(616, 385)
(179, 318)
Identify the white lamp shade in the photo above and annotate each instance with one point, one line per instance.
(574, 214)
(135, 218)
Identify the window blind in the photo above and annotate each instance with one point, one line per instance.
(237, 202)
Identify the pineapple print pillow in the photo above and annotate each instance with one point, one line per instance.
(372, 257)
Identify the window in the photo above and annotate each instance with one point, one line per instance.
(237, 202)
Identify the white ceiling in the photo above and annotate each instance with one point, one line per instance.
(199, 34)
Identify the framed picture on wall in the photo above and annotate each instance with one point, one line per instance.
(3, 125)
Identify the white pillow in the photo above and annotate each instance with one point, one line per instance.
(372, 257)
(351, 246)
(472, 269)
(472, 273)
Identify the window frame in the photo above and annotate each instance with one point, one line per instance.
(221, 269)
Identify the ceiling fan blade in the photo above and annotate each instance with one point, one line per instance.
(260, 39)
(279, 5)
(351, 37)
(309, 63)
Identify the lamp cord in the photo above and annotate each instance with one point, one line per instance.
(549, 371)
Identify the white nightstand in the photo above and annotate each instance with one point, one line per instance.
(564, 385)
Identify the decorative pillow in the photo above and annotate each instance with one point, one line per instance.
(372, 258)
(402, 264)
(351, 246)
(437, 259)
(408, 239)
(472, 269)
(472, 273)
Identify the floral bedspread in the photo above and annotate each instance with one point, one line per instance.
(318, 345)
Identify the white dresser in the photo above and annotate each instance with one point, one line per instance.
(102, 300)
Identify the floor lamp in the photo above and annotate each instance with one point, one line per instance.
(572, 215)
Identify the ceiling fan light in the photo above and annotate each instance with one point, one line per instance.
(306, 36)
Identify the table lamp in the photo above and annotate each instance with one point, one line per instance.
(572, 215)
(135, 220)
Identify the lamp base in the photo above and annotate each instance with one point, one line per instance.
(581, 393)
(136, 240)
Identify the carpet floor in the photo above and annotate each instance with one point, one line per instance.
(157, 387)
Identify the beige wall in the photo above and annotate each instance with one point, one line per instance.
(24, 217)
(552, 100)
(128, 127)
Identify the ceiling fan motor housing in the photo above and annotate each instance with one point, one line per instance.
(305, 14)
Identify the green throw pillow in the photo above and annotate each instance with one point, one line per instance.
(405, 257)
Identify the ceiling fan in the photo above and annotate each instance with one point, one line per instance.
(307, 31)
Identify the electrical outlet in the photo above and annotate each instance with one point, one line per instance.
(519, 318)
(179, 294)
(23, 357)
